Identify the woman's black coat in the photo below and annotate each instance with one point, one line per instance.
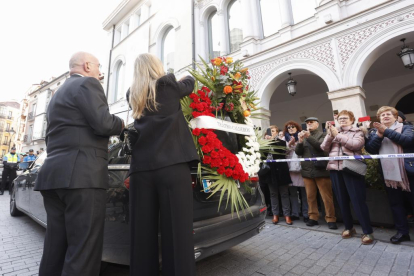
(164, 137)
(279, 171)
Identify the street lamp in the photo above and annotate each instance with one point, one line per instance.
(291, 85)
(11, 131)
(406, 55)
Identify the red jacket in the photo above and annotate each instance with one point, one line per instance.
(352, 142)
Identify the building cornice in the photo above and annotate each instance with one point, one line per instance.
(119, 12)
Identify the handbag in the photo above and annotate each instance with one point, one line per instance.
(354, 167)
(319, 164)
(294, 166)
(129, 137)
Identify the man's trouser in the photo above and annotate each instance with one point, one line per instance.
(325, 188)
(11, 174)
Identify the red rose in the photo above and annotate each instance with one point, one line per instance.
(214, 154)
(215, 163)
(206, 149)
(229, 172)
(202, 140)
(205, 131)
(196, 131)
(206, 159)
(221, 170)
(223, 70)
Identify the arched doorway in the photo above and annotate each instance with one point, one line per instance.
(310, 100)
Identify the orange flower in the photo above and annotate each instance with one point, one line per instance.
(237, 75)
(217, 61)
(213, 78)
(244, 70)
(246, 113)
(229, 60)
(227, 89)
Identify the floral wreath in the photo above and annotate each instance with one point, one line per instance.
(225, 91)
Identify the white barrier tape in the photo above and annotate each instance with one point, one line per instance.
(213, 123)
(356, 157)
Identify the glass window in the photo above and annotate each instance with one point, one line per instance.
(168, 50)
(118, 82)
(235, 25)
(270, 17)
(213, 35)
(302, 9)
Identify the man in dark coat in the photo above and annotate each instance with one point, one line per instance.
(309, 145)
(74, 178)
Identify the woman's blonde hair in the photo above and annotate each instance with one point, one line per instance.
(383, 109)
(147, 70)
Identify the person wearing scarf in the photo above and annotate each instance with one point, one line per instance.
(392, 137)
(291, 131)
(348, 140)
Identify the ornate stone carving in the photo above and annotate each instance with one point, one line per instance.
(322, 52)
(347, 44)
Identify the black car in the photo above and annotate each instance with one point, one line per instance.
(214, 230)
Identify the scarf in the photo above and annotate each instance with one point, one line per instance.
(287, 136)
(394, 172)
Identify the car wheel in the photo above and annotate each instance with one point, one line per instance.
(13, 209)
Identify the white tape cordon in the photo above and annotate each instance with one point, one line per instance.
(357, 157)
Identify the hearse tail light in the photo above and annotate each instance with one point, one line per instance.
(126, 183)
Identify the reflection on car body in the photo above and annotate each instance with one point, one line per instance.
(214, 230)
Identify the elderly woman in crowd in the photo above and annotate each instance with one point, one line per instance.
(348, 140)
(291, 131)
(280, 180)
(392, 137)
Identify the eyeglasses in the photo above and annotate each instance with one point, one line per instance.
(343, 118)
(310, 122)
(99, 65)
(291, 127)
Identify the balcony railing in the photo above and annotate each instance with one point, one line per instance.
(27, 138)
(30, 116)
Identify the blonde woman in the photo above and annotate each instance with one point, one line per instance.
(160, 179)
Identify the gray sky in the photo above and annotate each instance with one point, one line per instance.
(39, 36)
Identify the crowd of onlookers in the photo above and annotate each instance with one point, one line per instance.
(296, 184)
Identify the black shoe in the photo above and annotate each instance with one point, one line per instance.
(294, 217)
(312, 222)
(332, 225)
(305, 220)
(397, 238)
(269, 213)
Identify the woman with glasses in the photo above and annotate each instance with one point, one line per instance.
(291, 131)
(347, 139)
(393, 137)
(280, 180)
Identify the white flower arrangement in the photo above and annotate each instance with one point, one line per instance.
(249, 157)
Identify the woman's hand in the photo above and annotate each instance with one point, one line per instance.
(380, 129)
(334, 131)
(292, 141)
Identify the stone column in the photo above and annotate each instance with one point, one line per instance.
(350, 98)
(251, 20)
(286, 14)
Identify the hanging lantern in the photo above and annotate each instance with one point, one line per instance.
(406, 55)
(291, 85)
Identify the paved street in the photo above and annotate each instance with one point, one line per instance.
(278, 250)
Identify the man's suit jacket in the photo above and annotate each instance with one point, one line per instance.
(78, 130)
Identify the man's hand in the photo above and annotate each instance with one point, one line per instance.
(306, 133)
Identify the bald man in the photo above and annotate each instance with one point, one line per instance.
(74, 177)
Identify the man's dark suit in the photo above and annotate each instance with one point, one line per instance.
(74, 177)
